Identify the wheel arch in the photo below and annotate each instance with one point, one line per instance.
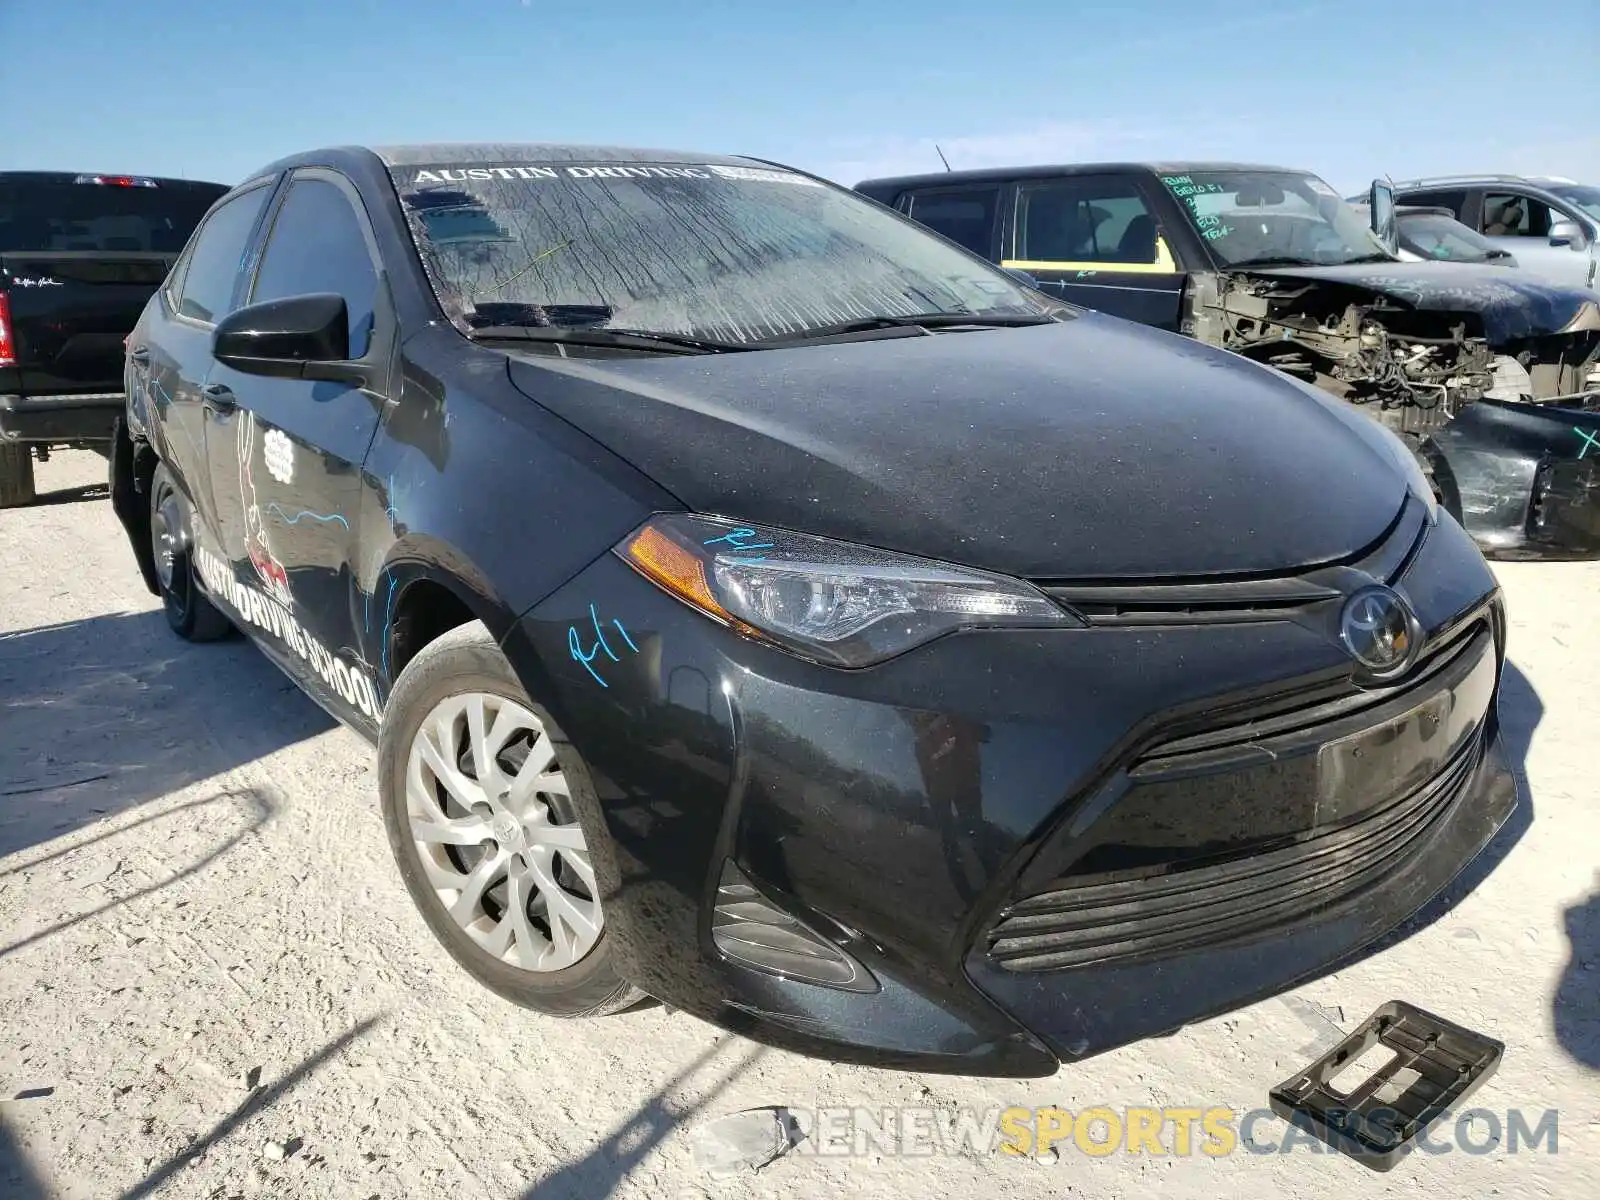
(426, 589)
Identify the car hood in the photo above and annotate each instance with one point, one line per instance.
(1508, 306)
(1089, 449)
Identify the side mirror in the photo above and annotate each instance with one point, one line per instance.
(1568, 233)
(1025, 278)
(282, 338)
(1380, 203)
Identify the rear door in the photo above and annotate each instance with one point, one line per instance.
(79, 258)
(170, 350)
(287, 453)
(1098, 241)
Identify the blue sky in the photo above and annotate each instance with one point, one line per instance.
(215, 89)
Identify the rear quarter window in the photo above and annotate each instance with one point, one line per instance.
(49, 215)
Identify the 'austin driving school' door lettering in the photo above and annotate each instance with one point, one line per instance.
(350, 682)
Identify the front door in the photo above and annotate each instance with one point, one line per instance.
(1521, 224)
(1096, 240)
(287, 455)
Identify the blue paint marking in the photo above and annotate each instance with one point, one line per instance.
(1590, 441)
(304, 513)
(575, 645)
(390, 512)
(387, 617)
(739, 539)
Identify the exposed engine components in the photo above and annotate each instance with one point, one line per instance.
(1412, 370)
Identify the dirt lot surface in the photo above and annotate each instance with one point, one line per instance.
(212, 983)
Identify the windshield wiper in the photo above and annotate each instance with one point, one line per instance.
(1366, 258)
(618, 339)
(928, 320)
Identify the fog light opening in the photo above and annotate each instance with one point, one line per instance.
(753, 931)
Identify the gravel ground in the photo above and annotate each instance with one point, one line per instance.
(212, 983)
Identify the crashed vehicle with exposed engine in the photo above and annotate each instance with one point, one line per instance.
(1492, 377)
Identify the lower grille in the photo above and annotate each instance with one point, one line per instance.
(1081, 925)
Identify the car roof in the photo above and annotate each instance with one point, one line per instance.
(1005, 174)
(422, 153)
(1445, 181)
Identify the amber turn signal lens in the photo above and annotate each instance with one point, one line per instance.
(674, 568)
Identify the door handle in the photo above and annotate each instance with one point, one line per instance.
(218, 397)
(140, 355)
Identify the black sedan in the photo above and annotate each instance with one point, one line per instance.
(762, 604)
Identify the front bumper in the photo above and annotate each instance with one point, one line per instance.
(77, 418)
(1526, 477)
(905, 812)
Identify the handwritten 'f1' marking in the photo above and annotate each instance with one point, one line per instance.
(575, 645)
(739, 540)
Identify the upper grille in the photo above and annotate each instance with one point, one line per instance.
(1200, 601)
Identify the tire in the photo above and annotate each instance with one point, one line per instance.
(16, 474)
(528, 962)
(190, 615)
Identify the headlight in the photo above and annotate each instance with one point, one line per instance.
(833, 602)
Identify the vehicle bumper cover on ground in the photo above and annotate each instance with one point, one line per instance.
(902, 812)
(1527, 477)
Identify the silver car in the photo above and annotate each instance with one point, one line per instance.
(1551, 225)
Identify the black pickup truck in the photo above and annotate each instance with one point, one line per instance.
(80, 254)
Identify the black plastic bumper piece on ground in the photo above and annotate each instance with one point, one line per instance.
(1436, 1064)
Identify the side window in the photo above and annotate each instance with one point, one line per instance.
(206, 286)
(316, 245)
(1510, 215)
(965, 217)
(1087, 221)
(1456, 202)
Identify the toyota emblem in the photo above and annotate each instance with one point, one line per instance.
(1380, 631)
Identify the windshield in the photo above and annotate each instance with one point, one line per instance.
(50, 215)
(1586, 198)
(736, 254)
(1273, 216)
(1436, 236)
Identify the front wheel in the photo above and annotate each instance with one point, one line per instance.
(479, 799)
(191, 616)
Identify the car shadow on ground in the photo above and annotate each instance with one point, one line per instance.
(241, 813)
(17, 1176)
(261, 1098)
(104, 714)
(613, 1158)
(72, 495)
(1577, 999)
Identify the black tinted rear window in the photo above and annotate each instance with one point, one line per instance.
(50, 215)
